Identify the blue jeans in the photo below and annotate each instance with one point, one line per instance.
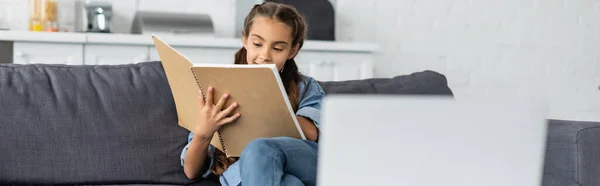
(279, 161)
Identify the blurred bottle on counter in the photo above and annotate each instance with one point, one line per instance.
(35, 15)
(50, 16)
(43, 16)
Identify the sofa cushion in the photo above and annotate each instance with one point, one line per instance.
(89, 125)
(572, 153)
(423, 83)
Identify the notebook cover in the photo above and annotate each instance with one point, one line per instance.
(183, 86)
(263, 104)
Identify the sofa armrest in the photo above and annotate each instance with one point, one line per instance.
(572, 153)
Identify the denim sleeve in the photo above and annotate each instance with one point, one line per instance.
(310, 102)
(209, 159)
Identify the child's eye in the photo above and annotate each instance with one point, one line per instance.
(278, 49)
(256, 44)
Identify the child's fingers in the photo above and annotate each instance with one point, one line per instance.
(228, 110)
(209, 98)
(222, 101)
(201, 101)
(229, 119)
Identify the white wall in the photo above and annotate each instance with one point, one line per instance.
(11, 14)
(545, 49)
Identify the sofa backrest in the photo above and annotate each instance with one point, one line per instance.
(421, 83)
(88, 124)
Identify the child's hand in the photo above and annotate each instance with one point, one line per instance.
(211, 117)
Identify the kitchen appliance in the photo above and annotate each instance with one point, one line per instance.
(93, 16)
(320, 16)
(172, 23)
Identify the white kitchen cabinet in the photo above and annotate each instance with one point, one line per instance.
(335, 66)
(104, 54)
(321, 65)
(201, 54)
(47, 53)
(322, 60)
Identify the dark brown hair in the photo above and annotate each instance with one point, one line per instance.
(290, 75)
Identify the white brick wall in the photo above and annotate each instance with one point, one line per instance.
(542, 49)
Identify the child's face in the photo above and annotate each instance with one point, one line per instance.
(269, 42)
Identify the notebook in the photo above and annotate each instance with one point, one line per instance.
(263, 103)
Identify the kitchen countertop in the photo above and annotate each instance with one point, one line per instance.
(185, 41)
(55, 37)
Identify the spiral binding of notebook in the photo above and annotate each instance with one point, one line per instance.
(204, 98)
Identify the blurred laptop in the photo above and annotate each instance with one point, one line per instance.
(430, 141)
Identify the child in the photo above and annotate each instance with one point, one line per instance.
(273, 34)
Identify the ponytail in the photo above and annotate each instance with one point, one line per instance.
(240, 56)
(290, 76)
(222, 162)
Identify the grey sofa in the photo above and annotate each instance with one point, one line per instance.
(117, 125)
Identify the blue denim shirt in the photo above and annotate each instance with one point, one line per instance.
(311, 95)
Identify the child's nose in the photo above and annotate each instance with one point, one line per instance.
(266, 53)
(263, 59)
